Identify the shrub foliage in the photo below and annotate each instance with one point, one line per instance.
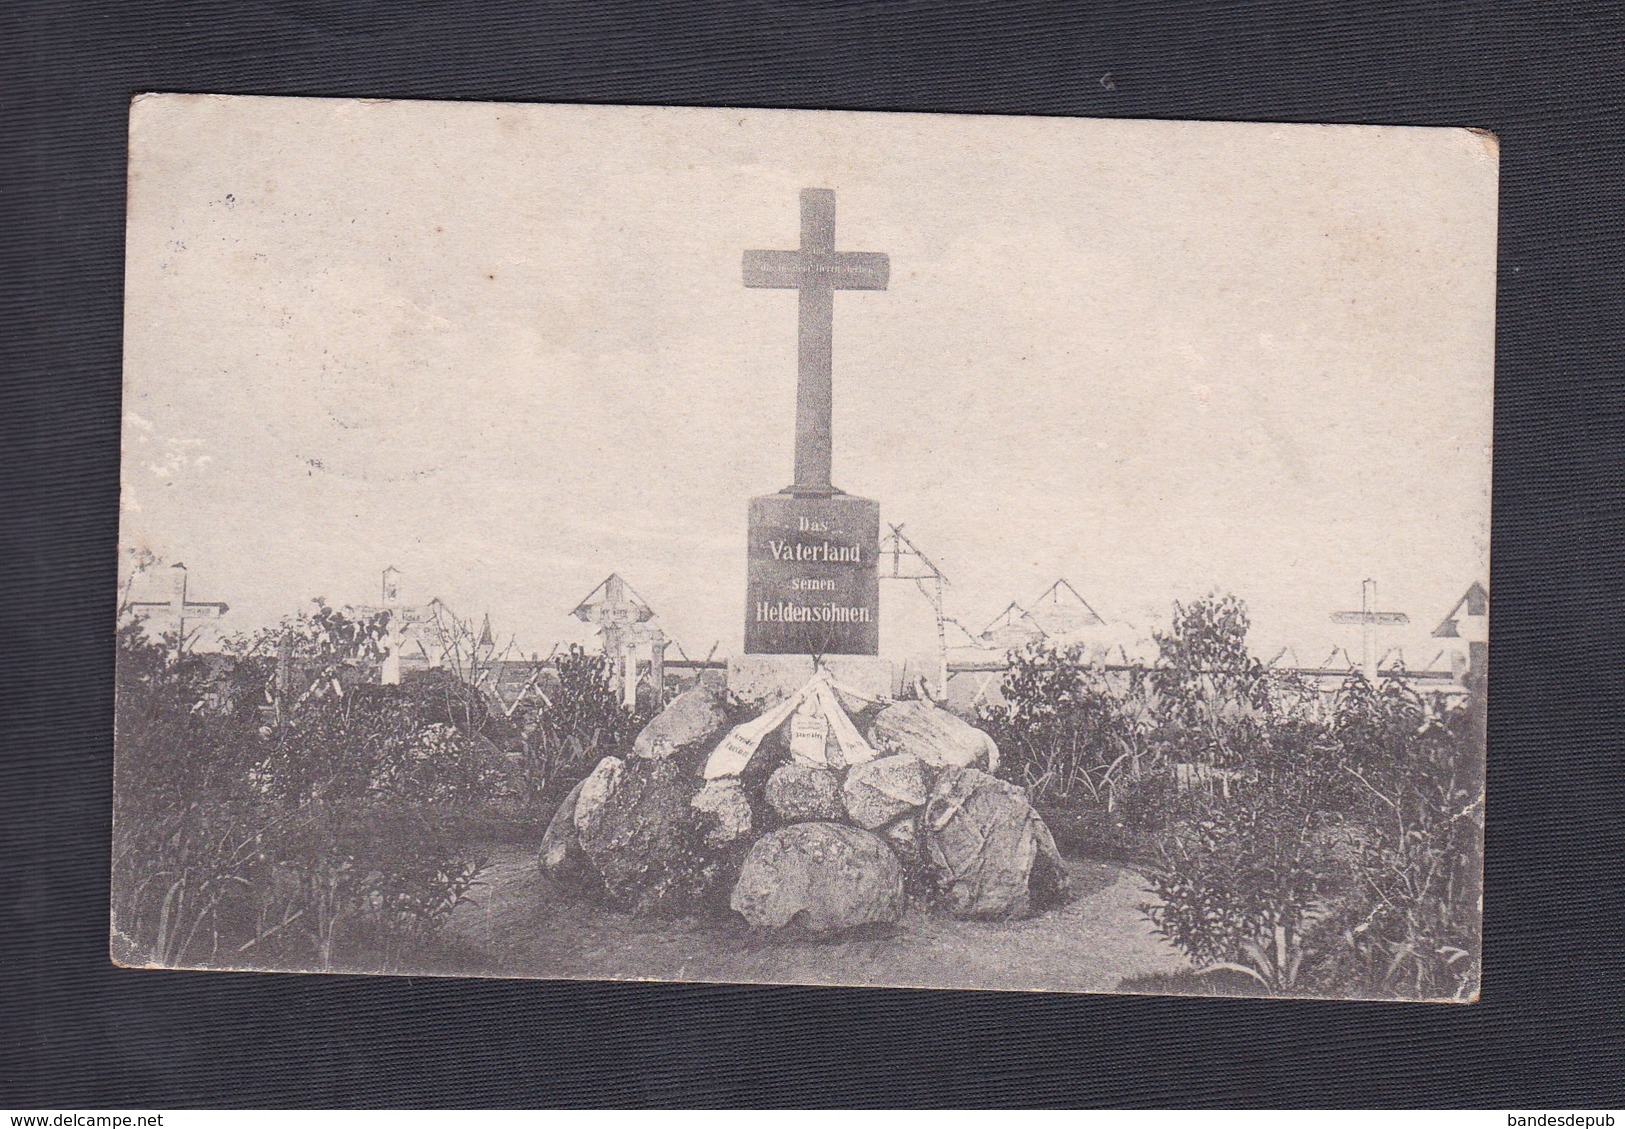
(571, 725)
(275, 807)
(1306, 846)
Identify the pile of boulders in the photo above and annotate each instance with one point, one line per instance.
(815, 843)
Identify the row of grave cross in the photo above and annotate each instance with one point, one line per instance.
(633, 642)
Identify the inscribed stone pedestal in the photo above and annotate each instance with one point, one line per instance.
(812, 586)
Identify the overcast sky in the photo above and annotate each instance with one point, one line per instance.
(507, 349)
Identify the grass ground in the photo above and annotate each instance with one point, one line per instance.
(520, 924)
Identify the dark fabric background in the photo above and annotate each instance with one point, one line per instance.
(1546, 76)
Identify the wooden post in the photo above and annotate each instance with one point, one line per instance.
(389, 672)
(629, 674)
(657, 668)
(284, 675)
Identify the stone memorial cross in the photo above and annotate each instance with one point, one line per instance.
(816, 269)
(811, 584)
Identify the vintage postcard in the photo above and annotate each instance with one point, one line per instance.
(800, 547)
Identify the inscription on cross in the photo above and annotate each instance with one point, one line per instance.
(816, 270)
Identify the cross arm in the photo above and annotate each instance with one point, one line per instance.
(1389, 618)
(840, 270)
(201, 610)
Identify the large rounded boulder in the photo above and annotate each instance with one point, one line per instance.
(592, 795)
(879, 791)
(934, 735)
(825, 877)
(725, 809)
(801, 793)
(988, 850)
(690, 719)
(561, 855)
(636, 825)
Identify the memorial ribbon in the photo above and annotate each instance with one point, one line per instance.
(736, 749)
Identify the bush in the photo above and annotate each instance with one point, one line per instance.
(1341, 856)
(577, 721)
(1298, 845)
(1076, 739)
(265, 814)
(1099, 751)
(1412, 926)
(1242, 876)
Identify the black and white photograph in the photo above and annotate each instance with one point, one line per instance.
(804, 547)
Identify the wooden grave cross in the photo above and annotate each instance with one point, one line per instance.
(179, 608)
(619, 613)
(1369, 618)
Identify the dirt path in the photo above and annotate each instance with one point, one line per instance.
(523, 925)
